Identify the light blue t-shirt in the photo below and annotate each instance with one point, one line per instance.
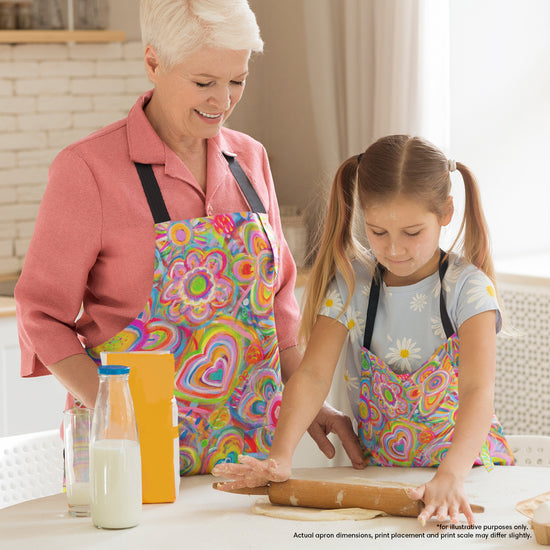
(408, 327)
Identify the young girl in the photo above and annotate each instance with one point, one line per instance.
(404, 309)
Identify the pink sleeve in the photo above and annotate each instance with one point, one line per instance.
(63, 249)
(286, 309)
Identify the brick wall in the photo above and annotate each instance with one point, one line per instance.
(50, 96)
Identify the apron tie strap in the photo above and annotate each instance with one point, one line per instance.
(445, 320)
(244, 183)
(158, 206)
(374, 296)
(152, 192)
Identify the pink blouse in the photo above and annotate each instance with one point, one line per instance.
(94, 240)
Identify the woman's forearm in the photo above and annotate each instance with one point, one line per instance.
(78, 373)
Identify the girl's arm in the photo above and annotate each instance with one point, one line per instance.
(444, 495)
(303, 397)
(328, 420)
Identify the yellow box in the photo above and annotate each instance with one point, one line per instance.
(151, 383)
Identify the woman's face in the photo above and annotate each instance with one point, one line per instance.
(404, 237)
(195, 97)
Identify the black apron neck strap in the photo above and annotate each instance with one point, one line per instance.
(445, 319)
(158, 206)
(152, 192)
(249, 192)
(374, 296)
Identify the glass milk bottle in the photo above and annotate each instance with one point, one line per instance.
(115, 460)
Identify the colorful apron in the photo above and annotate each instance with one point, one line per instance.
(211, 305)
(408, 419)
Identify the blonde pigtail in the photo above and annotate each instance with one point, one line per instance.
(476, 244)
(337, 245)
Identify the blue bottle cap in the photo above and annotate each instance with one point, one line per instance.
(113, 369)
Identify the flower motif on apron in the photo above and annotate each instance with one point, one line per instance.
(408, 419)
(211, 305)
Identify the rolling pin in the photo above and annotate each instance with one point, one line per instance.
(329, 495)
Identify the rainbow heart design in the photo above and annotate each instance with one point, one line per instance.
(398, 442)
(211, 376)
(261, 397)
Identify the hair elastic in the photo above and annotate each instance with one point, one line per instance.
(452, 165)
(359, 157)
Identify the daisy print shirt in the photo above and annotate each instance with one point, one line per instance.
(408, 327)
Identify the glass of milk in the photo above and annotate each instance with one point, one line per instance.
(77, 424)
(115, 458)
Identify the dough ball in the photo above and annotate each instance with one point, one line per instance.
(542, 514)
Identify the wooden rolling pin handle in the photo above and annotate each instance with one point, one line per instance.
(477, 509)
(330, 495)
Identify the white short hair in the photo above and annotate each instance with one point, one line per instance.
(177, 28)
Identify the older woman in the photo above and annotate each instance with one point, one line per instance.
(165, 228)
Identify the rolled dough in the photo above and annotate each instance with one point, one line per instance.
(263, 507)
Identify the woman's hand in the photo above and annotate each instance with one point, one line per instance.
(251, 472)
(330, 420)
(443, 497)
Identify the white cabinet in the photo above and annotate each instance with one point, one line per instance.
(26, 404)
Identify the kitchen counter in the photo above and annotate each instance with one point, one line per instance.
(203, 518)
(7, 306)
(7, 303)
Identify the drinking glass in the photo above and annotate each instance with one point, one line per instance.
(77, 423)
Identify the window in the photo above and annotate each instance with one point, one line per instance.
(500, 122)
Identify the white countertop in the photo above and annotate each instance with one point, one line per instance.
(203, 518)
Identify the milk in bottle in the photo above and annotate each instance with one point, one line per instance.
(115, 461)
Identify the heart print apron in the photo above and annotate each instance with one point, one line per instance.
(408, 419)
(211, 305)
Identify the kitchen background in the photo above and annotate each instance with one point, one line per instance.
(489, 107)
(472, 75)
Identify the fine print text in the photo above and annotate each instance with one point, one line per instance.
(444, 531)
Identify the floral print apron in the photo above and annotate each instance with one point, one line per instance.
(408, 419)
(211, 305)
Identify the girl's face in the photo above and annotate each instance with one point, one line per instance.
(404, 237)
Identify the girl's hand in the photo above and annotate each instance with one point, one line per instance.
(443, 497)
(251, 472)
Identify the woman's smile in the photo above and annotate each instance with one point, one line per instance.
(210, 118)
